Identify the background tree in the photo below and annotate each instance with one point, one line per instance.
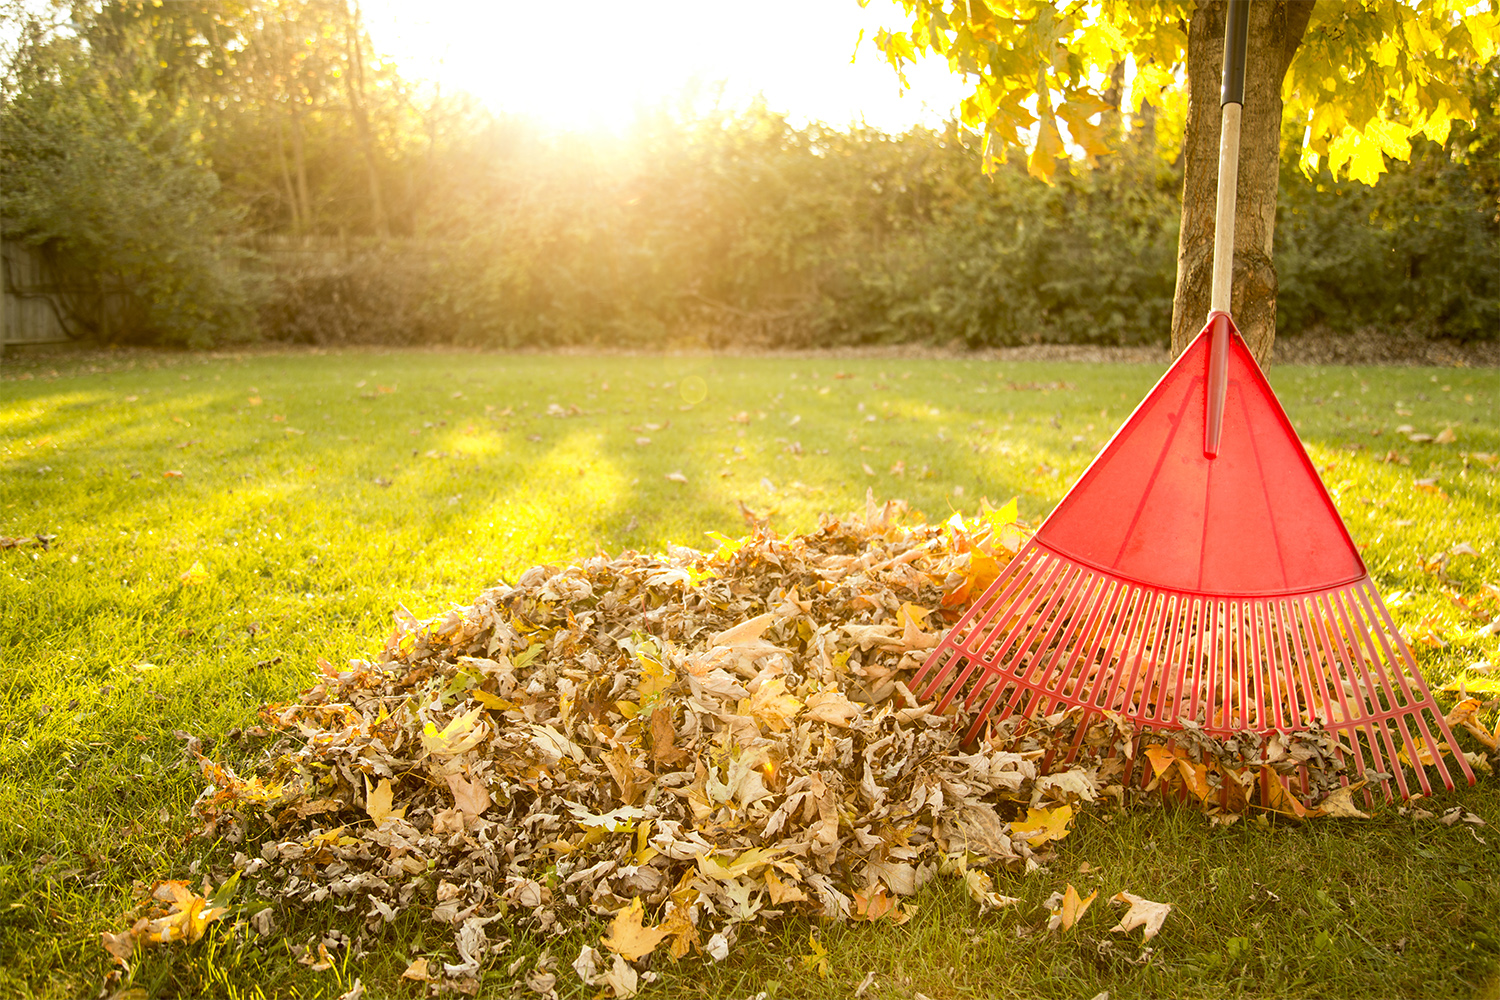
(1364, 77)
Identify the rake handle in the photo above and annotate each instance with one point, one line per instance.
(1231, 100)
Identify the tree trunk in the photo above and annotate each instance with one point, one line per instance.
(299, 165)
(1276, 30)
(356, 81)
(286, 177)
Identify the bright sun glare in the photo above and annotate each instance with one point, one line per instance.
(593, 64)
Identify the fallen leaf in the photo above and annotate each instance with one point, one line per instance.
(458, 736)
(1142, 913)
(675, 477)
(586, 965)
(1067, 908)
(472, 796)
(982, 890)
(417, 970)
(378, 802)
(1340, 803)
(818, 960)
(780, 892)
(622, 980)
(830, 705)
(772, 706)
(120, 946)
(194, 575)
(1043, 825)
(628, 938)
(663, 738)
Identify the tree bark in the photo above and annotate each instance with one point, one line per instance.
(1276, 29)
(286, 177)
(356, 80)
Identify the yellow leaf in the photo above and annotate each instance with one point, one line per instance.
(818, 960)
(1049, 146)
(680, 928)
(456, 737)
(911, 613)
(1367, 164)
(727, 546)
(772, 706)
(628, 938)
(655, 677)
(417, 970)
(1043, 825)
(1003, 516)
(1275, 797)
(378, 802)
(983, 569)
(729, 871)
(1161, 758)
(781, 892)
(186, 920)
(491, 701)
(194, 575)
(1068, 908)
(1142, 913)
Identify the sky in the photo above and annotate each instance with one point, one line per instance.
(587, 64)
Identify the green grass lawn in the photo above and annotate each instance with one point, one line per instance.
(320, 491)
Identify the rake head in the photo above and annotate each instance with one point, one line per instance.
(1172, 589)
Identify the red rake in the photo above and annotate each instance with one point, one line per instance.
(1198, 575)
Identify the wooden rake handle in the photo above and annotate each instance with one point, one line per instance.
(1231, 100)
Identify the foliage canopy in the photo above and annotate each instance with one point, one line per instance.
(1366, 78)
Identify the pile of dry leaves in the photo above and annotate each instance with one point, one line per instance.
(686, 744)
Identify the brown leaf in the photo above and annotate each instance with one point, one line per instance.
(830, 705)
(781, 892)
(472, 797)
(1340, 803)
(680, 928)
(663, 737)
(630, 780)
(120, 946)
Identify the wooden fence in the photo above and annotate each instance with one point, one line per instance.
(34, 308)
(44, 301)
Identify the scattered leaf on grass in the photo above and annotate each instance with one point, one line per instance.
(1142, 913)
(1068, 908)
(1340, 803)
(818, 959)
